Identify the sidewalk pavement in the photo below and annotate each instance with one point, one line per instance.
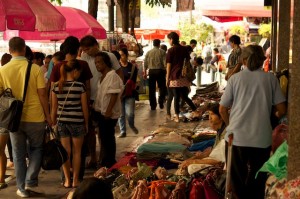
(145, 120)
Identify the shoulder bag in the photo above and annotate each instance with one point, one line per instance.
(188, 71)
(55, 154)
(11, 108)
(129, 86)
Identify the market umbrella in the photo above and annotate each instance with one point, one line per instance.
(150, 34)
(30, 15)
(78, 24)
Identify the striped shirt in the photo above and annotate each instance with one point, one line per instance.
(72, 112)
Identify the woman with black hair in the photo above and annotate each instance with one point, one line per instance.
(108, 107)
(234, 62)
(178, 85)
(128, 101)
(70, 112)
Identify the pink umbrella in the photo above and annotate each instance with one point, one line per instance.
(78, 24)
(30, 15)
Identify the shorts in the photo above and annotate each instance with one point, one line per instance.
(70, 130)
(3, 131)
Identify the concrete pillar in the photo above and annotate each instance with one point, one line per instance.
(283, 37)
(199, 71)
(294, 97)
(274, 35)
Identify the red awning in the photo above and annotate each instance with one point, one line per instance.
(151, 34)
(225, 19)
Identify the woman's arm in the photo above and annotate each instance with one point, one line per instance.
(168, 73)
(54, 106)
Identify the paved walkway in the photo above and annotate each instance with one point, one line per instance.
(146, 121)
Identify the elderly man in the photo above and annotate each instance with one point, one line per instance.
(155, 61)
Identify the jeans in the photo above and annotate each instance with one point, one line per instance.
(33, 132)
(178, 92)
(128, 107)
(159, 76)
(108, 140)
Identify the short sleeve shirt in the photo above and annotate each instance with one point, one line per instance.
(12, 75)
(96, 75)
(70, 109)
(251, 95)
(84, 76)
(175, 57)
(111, 84)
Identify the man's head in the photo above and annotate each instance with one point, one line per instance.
(156, 42)
(89, 45)
(234, 40)
(183, 43)
(215, 51)
(47, 60)
(164, 47)
(198, 61)
(38, 58)
(58, 57)
(17, 46)
(193, 43)
(70, 46)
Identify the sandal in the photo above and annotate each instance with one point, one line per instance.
(3, 185)
(176, 118)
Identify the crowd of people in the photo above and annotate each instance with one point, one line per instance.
(81, 87)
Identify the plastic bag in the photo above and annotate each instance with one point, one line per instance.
(277, 163)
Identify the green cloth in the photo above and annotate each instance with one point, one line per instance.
(160, 147)
(277, 163)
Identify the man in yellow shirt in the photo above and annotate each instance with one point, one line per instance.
(35, 112)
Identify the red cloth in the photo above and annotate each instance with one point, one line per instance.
(85, 75)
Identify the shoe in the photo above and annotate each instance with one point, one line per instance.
(161, 106)
(34, 189)
(135, 130)
(3, 185)
(153, 108)
(176, 118)
(23, 194)
(122, 135)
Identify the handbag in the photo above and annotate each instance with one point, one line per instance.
(188, 71)
(129, 87)
(11, 108)
(54, 154)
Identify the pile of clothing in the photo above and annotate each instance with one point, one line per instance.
(166, 166)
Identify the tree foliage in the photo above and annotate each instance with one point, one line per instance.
(200, 32)
(162, 3)
(237, 30)
(265, 30)
(59, 2)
